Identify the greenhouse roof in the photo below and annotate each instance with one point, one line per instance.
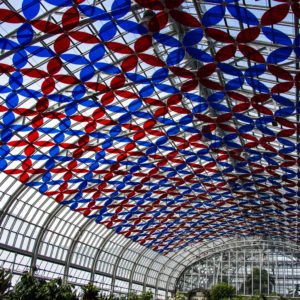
(170, 122)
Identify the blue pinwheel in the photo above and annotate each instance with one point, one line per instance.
(12, 101)
(254, 72)
(156, 81)
(24, 36)
(189, 42)
(15, 88)
(78, 98)
(95, 55)
(283, 53)
(215, 14)
(118, 10)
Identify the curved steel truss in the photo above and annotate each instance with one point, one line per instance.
(132, 131)
(35, 234)
(171, 122)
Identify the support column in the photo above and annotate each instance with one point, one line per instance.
(276, 274)
(221, 267)
(268, 275)
(95, 260)
(71, 249)
(206, 272)
(260, 269)
(39, 238)
(284, 275)
(245, 271)
(229, 264)
(214, 271)
(251, 270)
(199, 274)
(115, 269)
(236, 270)
(147, 274)
(292, 264)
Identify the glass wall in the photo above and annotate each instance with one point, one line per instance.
(260, 267)
(37, 233)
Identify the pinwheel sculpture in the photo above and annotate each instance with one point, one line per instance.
(171, 131)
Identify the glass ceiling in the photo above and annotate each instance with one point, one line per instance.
(41, 235)
(170, 122)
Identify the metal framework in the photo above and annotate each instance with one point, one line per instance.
(253, 267)
(137, 136)
(54, 264)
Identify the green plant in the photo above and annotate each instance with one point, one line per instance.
(32, 288)
(105, 296)
(255, 298)
(179, 296)
(66, 292)
(132, 296)
(262, 282)
(238, 297)
(5, 283)
(148, 295)
(222, 291)
(28, 288)
(56, 289)
(207, 294)
(90, 292)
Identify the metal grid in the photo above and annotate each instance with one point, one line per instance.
(252, 267)
(28, 241)
(172, 136)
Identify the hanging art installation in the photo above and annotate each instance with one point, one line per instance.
(168, 121)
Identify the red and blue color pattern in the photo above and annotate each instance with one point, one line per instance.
(174, 131)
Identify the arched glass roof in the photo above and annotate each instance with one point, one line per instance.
(48, 237)
(134, 131)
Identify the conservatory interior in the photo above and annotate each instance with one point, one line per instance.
(149, 149)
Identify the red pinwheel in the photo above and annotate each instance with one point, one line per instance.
(277, 13)
(244, 37)
(199, 78)
(288, 83)
(70, 20)
(169, 8)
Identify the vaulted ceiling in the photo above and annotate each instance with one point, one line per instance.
(171, 122)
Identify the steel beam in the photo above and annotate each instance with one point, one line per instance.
(40, 236)
(101, 247)
(120, 256)
(72, 247)
(61, 262)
